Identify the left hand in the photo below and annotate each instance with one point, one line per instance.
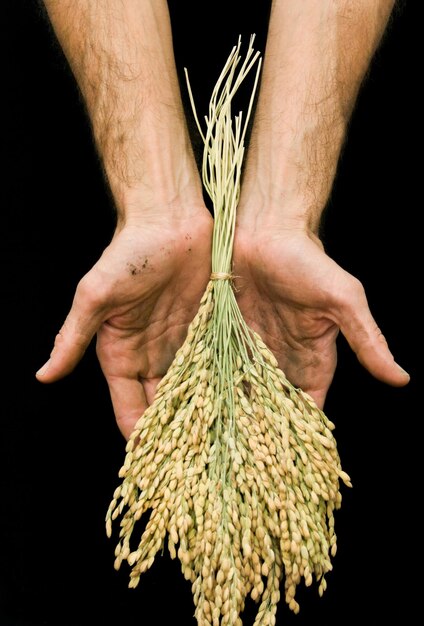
(297, 298)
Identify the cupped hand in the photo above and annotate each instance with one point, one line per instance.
(298, 299)
(139, 298)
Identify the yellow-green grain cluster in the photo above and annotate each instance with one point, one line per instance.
(236, 470)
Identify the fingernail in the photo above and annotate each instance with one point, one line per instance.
(404, 372)
(43, 369)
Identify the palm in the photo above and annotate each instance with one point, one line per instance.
(290, 291)
(157, 294)
(139, 298)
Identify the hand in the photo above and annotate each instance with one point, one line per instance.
(139, 298)
(297, 298)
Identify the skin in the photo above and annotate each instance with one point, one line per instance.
(290, 291)
(140, 296)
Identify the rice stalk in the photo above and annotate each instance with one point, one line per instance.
(236, 470)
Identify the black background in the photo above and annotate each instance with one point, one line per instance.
(60, 448)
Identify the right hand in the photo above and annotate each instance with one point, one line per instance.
(139, 298)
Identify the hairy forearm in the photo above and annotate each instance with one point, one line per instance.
(316, 57)
(121, 54)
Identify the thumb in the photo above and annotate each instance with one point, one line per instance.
(367, 341)
(71, 342)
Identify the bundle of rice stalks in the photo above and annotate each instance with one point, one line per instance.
(235, 469)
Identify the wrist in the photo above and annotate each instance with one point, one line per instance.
(281, 193)
(171, 212)
(163, 178)
(258, 225)
(151, 200)
(289, 173)
(271, 208)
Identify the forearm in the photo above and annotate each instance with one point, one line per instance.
(316, 57)
(121, 54)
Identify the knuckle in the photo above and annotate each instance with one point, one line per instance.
(352, 293)
(92, 292)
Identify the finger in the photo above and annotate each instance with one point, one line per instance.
(128, 400)
(318, 396)
(366, 339)
(71, 342)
